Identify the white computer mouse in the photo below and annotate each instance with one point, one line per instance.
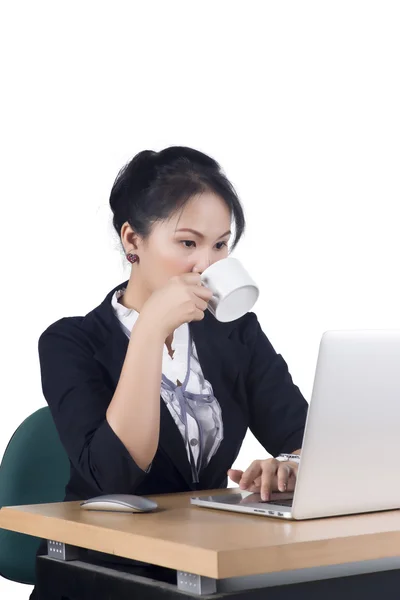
(120, 503)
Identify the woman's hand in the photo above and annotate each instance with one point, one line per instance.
(266, 476)
(182, 300)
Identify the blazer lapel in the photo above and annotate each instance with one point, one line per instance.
(171, 443)
(220, 360)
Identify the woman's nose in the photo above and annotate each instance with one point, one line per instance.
(201, 264)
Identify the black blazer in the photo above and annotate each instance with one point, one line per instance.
(81, 359)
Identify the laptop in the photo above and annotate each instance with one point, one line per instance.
(350, 456)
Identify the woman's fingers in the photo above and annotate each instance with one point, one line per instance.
(202, 292)
(235, 475)
(284, 471)
(250, 475)
(292, 477)
(269, 469)
(254, 487)
(266, 476)
(200, 304)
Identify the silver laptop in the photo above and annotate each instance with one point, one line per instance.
(350, 456)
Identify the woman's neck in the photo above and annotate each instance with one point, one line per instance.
(134, 298)
(135, 295)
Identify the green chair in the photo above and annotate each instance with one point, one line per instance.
(34, 470)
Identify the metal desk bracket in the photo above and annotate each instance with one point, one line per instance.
(61, 551)
(196, 584)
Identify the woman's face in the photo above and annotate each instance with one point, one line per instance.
(190, 241)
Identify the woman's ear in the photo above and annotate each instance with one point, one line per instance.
(129, 238)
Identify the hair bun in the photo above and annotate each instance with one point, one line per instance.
(132, 179)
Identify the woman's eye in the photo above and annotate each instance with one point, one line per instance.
(221, 245)
(188, 243)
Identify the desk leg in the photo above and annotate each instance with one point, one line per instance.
(196, 584)
(61, 551)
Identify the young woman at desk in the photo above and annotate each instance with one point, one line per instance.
(102, 373)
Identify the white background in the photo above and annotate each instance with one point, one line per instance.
(299, 102)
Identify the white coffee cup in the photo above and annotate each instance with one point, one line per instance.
(234, 291)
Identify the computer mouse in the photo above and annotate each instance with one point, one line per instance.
(120, 503)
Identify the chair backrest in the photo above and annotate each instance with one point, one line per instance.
(34, 470)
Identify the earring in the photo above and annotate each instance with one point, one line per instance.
(133, 258)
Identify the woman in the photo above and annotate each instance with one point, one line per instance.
(103, 374)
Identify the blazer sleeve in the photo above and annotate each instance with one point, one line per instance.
(76, 392)
(277, 409)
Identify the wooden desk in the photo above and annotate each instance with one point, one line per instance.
(212, 544)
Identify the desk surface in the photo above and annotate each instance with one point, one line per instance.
(210, 542)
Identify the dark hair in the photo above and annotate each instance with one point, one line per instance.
(154, 185)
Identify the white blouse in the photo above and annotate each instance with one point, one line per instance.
(175, 369)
